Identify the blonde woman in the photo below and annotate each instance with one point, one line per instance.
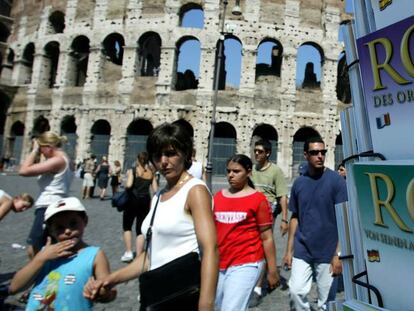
(55, 175)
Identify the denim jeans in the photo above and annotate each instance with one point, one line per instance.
(235, 286)
(301, 280)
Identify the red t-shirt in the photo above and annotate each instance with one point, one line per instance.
(237, 222)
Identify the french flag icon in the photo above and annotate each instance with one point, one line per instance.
(383, 121)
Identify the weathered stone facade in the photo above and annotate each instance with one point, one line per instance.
(113, 92)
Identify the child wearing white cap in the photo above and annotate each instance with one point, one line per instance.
(63, 267)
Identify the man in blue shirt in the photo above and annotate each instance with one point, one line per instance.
(313, 249)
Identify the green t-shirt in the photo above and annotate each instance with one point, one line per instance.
(271, 182)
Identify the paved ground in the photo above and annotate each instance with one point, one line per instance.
(105, 230)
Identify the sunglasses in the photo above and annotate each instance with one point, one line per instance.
(316, 152)
(259, 151)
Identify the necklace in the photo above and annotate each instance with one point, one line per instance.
(179, 183)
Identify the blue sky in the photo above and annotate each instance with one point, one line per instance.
(189, 59)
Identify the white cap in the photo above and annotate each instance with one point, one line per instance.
(64, 205)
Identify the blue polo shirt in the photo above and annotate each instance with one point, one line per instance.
(313, 199)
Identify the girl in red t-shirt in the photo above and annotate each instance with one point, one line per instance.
(243, 220)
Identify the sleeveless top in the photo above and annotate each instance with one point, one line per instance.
(173, 233)
(59, 285)
(140, 188)
(54, 186)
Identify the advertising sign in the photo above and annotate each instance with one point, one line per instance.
(387, 71)
(385, 196)
(388, 12)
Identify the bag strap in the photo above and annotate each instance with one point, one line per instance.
(148, 236)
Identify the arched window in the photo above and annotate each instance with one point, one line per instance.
(68, 129)
(299, 139)
(339, 153)
(192, 15)
(309, 65)
(113, 48)
(4, 32)
(27, 61)
(269, 58)
(80, 50)
(230, 69)
(149, 54)
(57, 22)
(15, 142)
(101, 133)
(137, 134)
(267, 132)
(343, 89)
(5, 104)
(224, 146)
(188, 64)
(52, 52)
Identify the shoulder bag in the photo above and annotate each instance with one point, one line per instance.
(120, 200)
(173, 286)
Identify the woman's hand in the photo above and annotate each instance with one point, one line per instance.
(273, 279)
(58, 250)
(35, 146)
(99, 290)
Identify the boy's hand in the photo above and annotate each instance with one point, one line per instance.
(58, 250)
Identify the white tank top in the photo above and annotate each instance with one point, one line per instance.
(54, 186)
(173, 233)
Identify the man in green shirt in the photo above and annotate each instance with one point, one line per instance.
(268, 178)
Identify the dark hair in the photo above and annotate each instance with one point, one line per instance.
(245, 162)
(267, 146)
(142, 157)
(312, 140)
(170, 134)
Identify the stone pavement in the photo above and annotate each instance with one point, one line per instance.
(105, 230)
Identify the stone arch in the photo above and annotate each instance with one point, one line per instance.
(68, 128)
(113, 48)
(148, 55)
(191, 15)
(136, 140)
(299, 138)
(230, 69)
(224, 146)
(187, 63)
(4, 32)
(343, 89)
(27, 61)
(78, 66)
(51, 59)
(56, 22)
(269, 58)
(40, 125)
(101, 133)
(339, 153)
(310, 59)
(15, 142)
(186, 125)
(5, 104)
(267, 132)
(10, 57)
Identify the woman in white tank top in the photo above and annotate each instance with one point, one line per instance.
(55, 176)
(184, 219)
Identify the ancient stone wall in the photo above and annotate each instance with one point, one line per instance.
(116, 91)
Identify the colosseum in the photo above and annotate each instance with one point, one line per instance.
(104, 73)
